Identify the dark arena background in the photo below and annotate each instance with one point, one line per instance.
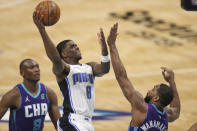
(152, 33)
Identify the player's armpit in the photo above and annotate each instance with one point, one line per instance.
(138, 102)
(173, 113)
(61, 70)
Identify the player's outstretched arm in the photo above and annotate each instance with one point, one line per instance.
(173, 110)
(134, 97)
(51, 51)
(8, 100)
(53, 109)
(104, 67)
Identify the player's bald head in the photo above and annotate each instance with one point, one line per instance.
(24, 62)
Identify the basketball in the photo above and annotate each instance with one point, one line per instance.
(50, 11)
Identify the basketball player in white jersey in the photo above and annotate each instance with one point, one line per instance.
(76, 81)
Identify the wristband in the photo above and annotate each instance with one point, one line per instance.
(105, 58)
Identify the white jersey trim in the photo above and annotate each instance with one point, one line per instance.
(58, 126)
(69, 119)
(70, 95)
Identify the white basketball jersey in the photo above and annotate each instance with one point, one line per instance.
(80, 81)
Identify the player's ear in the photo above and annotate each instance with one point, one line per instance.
(155, 98)
(64, 54)
(22, 73)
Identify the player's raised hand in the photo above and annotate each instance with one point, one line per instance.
(168, 74)
(112, 35)
(38, 20)
(101, 38)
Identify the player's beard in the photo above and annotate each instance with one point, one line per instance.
(79, 58)
(147, 99)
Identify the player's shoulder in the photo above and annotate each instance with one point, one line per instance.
(49, 91)
(12, 94)
(42, 85)
(92, 63)
(11, 98)
(51, 94)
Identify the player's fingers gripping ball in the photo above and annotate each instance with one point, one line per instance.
(50, 11)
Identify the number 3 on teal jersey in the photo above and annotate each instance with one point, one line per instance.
(88, 92)
(37, 124)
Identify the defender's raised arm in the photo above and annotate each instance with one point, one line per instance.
(134, 97)
(174, 108)
(104, 66)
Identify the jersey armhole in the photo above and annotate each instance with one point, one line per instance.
(20, 99)
(69, 71)
(146, 113)
(46, 93)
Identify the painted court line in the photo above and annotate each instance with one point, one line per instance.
(147, 74)
(11, 4)
(138, 75)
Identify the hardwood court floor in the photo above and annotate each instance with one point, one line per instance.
(159, 33)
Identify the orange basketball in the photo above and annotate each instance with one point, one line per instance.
(50, 10)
